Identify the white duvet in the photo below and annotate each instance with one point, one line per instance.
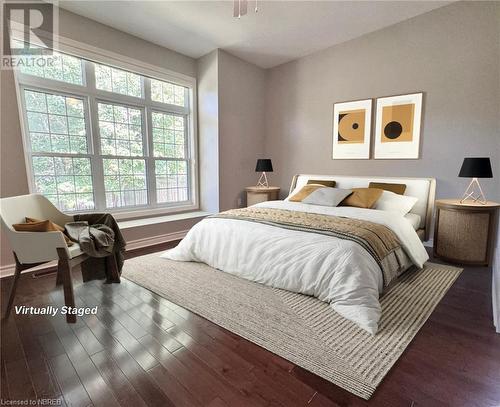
(337, 271)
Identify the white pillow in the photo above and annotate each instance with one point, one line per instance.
(414, 219)
(389, 201)
(327, 196)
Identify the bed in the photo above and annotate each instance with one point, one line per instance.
(343, 255)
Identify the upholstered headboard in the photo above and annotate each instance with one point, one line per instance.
(422, 188)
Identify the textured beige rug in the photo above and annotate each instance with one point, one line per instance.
(299, 328)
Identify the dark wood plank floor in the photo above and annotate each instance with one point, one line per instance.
(142, 350)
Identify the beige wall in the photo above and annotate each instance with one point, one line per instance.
(241, 127)
(231, 128)
(452, 54)
(90, 32)
(13, 179)
(208, 131)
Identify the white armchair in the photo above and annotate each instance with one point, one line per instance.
(34, 248)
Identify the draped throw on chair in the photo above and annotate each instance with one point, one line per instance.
(99, 236)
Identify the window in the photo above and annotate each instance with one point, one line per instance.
(116, 80)
(100, 137)
(66, 181)
(62, 67)
(125, 182)
(171, 180)
(168, 135)
(167, 93)
(120, 130)
(56, 123)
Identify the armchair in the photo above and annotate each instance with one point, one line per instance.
(34, 248)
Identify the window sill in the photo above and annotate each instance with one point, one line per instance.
(134, 223)
(126, 214)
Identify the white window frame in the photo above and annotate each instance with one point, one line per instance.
(91, 96)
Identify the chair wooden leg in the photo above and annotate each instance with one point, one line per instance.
(19, 267)
(13, 290)
(59, 277)
(64, 269)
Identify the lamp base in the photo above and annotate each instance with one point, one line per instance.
(474, 193)
(263, 181)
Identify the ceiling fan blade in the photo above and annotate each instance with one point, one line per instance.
(236, 8)
(243, 7)
(240, 8)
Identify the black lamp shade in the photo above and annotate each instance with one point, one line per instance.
(264, 165)
(476, 167)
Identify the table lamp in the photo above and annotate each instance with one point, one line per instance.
(263, 165)
(475, 167)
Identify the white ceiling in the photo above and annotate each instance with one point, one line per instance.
(281, 31)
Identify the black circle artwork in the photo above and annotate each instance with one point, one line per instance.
(393, 130)
(355, 126)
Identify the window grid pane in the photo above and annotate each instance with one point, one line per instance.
(59, 67)
(56, 123)
(120, 130)
(125, 182)
(58, 134)
(168, 135)
(66, 181)
(118, 81)
(171, 180)
(165, 92)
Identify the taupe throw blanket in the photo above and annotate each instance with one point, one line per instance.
(95, 240)
(378, 240)
(99, 236)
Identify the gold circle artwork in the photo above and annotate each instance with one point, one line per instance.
(351, 127)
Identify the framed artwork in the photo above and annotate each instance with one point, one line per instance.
(352, 129)
(397, 126)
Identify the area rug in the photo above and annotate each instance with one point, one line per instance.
(300, 328)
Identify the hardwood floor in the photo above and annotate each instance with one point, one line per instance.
(142, 350)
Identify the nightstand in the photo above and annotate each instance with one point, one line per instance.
(261, 194)
(465, 233)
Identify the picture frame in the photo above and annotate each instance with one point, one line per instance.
(351, 134)
(398, 126)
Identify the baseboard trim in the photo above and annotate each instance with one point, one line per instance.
(8, 269)
(154, 240)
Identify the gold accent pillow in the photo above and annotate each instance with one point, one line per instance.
(362, 197)
(34, 225)
(304, 192)
(396, 188)
(33, 220)
(326, 183)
